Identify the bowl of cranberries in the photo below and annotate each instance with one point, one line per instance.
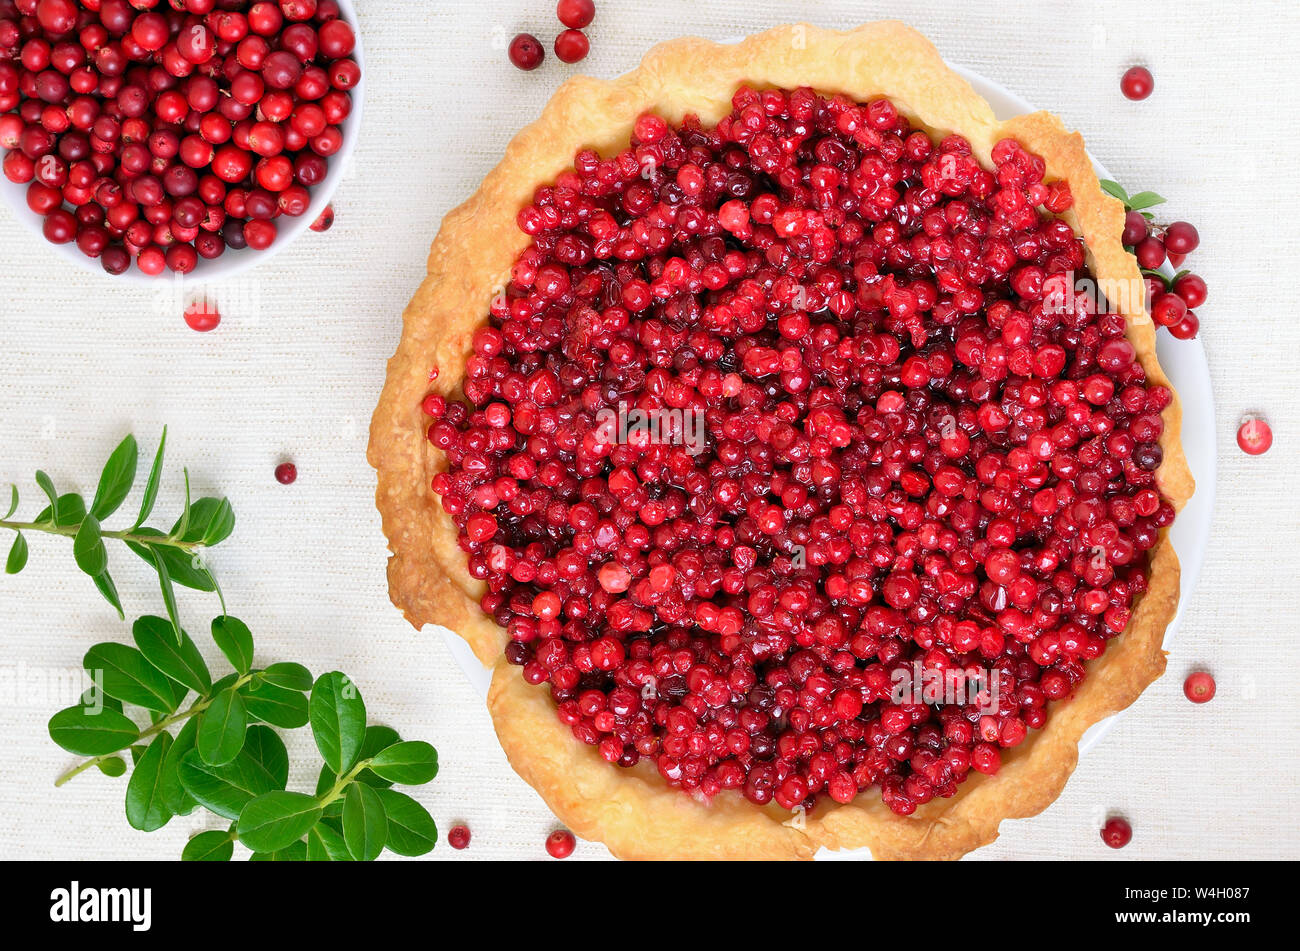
(145, 138)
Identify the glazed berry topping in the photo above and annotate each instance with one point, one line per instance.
(286, 473)
(915, 446)
(165, 133)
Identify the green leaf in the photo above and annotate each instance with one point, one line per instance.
(213, 846)
(113, 767)
(277, 706)
(178, 530)
(287, 675)
(1114, 189)
(47, 486)
(1144, 200)
(94, 697)
(151, 486)
(116, 479)
(235, 640)
(268, 751)
(412, 763)
(262, 766)
(297, 852)
(182, 661)
(365, 826)
(146, 809)
(338, 720)
(211, 521)
(173, 791)
(326, 845)
(276, 820)
(71, 510)
(168, 593)
(411, 830)
(88, 548)
(13, 501)
(131, 678)
(377, 738)
(104, 582)
(17, 555)
(92, 733)
(225, 723)
(181, 564)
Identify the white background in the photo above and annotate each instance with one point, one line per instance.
(297, 364)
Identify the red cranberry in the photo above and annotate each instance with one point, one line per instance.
(337, 40)
(1116, 833)
(265, 18)
(260, 234)
(1187, 328)
(1191, 288)
(298, 10)
(325, 221)
(560, 844)
(1254, 436)
(1150, 253)
(1137, 83)
(526, 52)
(1199, 687)
(576, 14)
(1168, 309)
(57, 16)
(458, 837)
(115, 260)
(571, 46)
(60, 227)
(202, 316)
(286, 473)
(1135, 228)
(1181, 238)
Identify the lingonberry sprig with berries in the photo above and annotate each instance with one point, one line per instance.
(176, 555)
(225, 756)
(1171, 299)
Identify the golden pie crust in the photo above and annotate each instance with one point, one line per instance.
(633, 811)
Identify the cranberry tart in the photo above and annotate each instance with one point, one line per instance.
(751, 390)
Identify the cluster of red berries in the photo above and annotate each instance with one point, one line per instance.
(165, 131)
(571, 45)
(1172, 302)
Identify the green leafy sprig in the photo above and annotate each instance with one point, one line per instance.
(176, 556)
(225, 756)
(1139, 202)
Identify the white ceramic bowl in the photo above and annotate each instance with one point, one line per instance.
(231, 262)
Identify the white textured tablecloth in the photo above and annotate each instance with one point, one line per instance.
(296, 367)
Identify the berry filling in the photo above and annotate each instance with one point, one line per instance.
(777, 417)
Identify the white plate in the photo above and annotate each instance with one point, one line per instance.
(1183, 360)
(231, 262)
